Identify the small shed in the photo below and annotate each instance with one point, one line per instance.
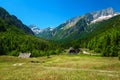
(24, 55)
(71, 50)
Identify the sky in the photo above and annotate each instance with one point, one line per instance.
(51, 13)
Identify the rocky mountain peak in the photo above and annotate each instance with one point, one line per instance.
(103, 15)
(104, 12)
(35, 29)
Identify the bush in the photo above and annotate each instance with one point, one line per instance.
(58, 51)
(42, 53)
(98, 50)
(14, 53)
(35, 53)
(52, 52)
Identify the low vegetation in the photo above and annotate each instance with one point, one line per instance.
(62, 67)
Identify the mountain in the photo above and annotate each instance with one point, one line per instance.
(84, 24)
(43, 33)
(103, 15)
(46, 33)
(12, 20)
(105, 38)
(77, 27)
(16, 38)
(35, 29)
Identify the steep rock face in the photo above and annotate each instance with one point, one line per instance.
(104, 12)
(12, 20)
(70, 23)
(103, 15)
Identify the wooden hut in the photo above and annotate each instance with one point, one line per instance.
(24, 55)
(71, 50)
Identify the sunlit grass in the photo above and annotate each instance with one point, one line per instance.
(62, 67)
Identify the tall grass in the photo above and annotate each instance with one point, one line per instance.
(62, 67)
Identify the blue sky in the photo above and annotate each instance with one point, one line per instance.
(51, 13)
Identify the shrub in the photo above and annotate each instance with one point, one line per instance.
(14, 53)
(52, 52)
(35, 53)
(58, 51)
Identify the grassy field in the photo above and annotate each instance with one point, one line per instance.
(62, 67)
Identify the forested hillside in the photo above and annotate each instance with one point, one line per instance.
(107, 38)
(12, 20)
(104, 39)
(15, 38)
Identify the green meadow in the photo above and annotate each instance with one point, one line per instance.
(60, 67)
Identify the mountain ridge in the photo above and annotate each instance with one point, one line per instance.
(78, 25)
(13, 20)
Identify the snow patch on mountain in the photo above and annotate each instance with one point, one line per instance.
(35, 29)
(103, 15)
(101, 18)
(51, 29)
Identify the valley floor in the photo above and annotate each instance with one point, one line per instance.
(62, 67)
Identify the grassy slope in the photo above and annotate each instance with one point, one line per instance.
(63, 67)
